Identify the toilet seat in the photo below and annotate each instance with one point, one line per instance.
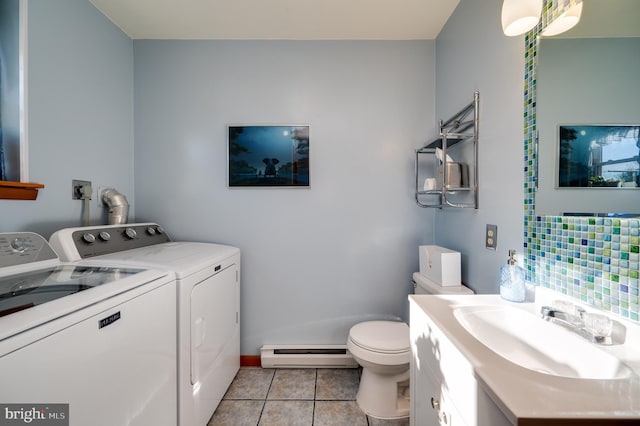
(388, 337)
(380, 342)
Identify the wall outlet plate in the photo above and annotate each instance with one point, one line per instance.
(76, 184)
(491, 237)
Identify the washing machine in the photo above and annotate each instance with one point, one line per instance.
(84, 345)
(208, 302)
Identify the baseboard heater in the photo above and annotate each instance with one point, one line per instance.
(306, 356)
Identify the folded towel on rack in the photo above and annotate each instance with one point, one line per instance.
(439, 156)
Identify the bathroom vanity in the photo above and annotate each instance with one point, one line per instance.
(444, 389)
(482, 361)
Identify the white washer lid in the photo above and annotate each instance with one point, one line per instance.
(381, 336)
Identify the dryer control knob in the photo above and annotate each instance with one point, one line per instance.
(130, 233)
(151, 231)
(88, 238)
(104, 236)
(160, 229)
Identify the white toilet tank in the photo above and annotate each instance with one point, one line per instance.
(424, 285)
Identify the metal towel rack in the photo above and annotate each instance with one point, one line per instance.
(453, 187)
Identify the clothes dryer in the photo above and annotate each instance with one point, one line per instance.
(208, 302)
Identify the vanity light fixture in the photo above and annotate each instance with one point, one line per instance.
(519, 16)
(564, 22)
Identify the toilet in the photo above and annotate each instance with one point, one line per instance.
(383, 350)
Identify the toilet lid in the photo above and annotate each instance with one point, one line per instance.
(381, 336)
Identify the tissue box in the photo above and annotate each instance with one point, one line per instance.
(440, 265)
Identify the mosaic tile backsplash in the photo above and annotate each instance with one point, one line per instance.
(595, 260)
(592, 259)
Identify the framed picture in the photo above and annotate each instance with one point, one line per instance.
(268, 156)
(598, 156)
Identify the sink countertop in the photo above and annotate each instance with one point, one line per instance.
(528, 397)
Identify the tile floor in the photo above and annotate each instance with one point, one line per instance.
(305, 397)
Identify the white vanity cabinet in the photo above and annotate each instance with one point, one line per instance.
(444, 390)
(434, 405)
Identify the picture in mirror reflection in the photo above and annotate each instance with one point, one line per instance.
(598, 156)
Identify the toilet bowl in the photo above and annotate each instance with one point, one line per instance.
(383, 351)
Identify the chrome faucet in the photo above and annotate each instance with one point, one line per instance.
(576, 323)
(549, 312)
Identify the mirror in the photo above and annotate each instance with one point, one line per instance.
(587, 82)
(13, 151)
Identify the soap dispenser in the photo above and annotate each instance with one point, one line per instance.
(512, 285)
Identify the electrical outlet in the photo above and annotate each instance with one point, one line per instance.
(491, 237)
(76, 188)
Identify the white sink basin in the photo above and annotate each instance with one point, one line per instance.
(527, 340)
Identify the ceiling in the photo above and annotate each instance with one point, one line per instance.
(279, 19)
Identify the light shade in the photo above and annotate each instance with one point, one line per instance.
(519, 16)
(564, 22)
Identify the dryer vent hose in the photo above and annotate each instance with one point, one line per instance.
(118, 206)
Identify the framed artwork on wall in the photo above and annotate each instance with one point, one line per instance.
(268, 156)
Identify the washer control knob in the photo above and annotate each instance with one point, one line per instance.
(160, 229)
(130, 233)
(151, 231)
(104, 236)
(19, 245)
(88, 238)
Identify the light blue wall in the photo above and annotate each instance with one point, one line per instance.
(315, 261)
(80, 89)
(472, 54)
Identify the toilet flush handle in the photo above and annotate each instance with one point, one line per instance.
(435, 404)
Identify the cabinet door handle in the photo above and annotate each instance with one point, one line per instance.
(435, 404)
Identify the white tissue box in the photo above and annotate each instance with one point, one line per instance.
(440, 265)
